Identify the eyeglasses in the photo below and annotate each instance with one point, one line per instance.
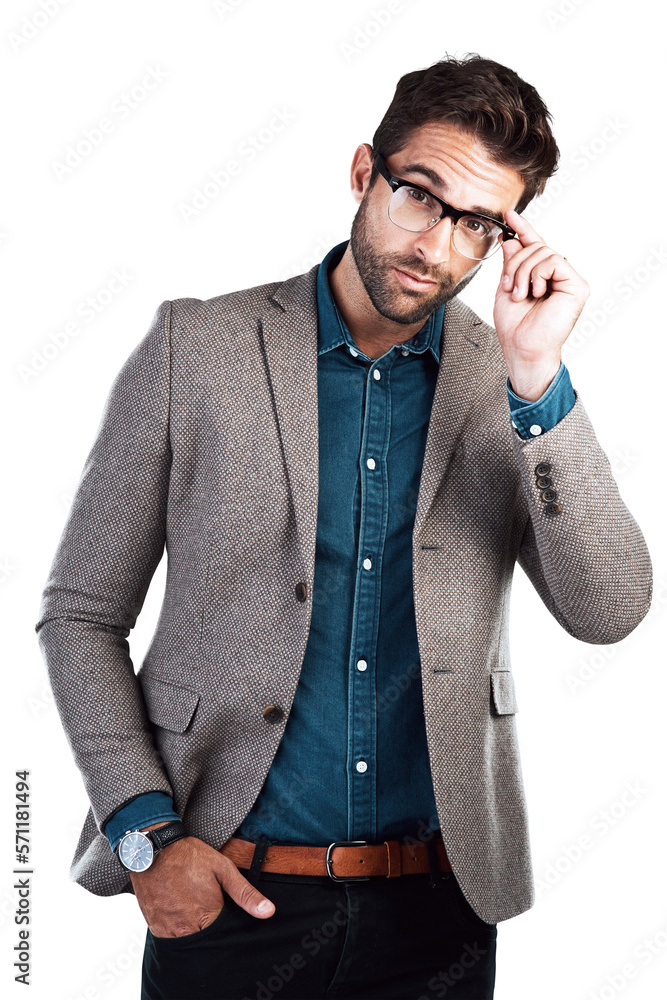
(416, 210)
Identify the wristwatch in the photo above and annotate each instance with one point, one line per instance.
(137, 850)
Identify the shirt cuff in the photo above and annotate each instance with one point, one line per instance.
(531, 418)
(151, 807)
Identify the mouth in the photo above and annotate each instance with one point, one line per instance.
(412, 281)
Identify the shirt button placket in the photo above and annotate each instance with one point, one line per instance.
(371, 539)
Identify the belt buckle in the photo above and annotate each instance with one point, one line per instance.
(329, 861)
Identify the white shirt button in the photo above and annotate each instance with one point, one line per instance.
(370, 462)
(535, 429)
(404, 352)
(362, 766)
(376, 375)
(362, 665)
(367, 564)
(353, 352)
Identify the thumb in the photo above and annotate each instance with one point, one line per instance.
(241, 890)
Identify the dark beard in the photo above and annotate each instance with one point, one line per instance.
(375, 273)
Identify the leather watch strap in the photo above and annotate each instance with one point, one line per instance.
(162, 836)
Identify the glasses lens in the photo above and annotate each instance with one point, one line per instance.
(476, 237)
(413, 209)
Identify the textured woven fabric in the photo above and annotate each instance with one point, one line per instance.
(208, 445)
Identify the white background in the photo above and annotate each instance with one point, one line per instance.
(334, 70)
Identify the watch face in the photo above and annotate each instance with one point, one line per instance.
(136, 851)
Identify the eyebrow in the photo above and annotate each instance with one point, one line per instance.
(437, 181)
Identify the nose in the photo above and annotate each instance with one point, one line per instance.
(435, 244)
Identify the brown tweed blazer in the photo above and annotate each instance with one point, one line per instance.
(208, 445)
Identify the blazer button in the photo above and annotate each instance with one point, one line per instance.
(544, 481)
(273, 713)
(552, 509)
(301, 591)
(543, 469)
(548, 494)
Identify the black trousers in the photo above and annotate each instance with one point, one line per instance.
(407, 937)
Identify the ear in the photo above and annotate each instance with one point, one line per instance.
(360, 173)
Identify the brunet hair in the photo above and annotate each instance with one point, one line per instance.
(485, 99)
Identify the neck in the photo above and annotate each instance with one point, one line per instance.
(372, 333)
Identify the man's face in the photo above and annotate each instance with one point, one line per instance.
(460, 172)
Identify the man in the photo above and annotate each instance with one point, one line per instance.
(344, 468)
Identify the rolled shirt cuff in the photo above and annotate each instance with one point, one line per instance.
(151, 807)
(531, 418)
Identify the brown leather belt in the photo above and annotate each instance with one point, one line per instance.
(343, 859)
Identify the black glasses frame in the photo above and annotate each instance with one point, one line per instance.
(447, 210)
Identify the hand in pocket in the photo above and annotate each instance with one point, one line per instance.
(184, 889)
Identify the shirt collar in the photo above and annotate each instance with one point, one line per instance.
(332, 330)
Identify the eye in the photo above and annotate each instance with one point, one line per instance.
(476, 226)
(421, 197)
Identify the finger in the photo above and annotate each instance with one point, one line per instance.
(549, 265)
(538, 285)
(511, 265)
(522, 228)
(178, 920)
(242, 892)
(510, 248)
(541, 264)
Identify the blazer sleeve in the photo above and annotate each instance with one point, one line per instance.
(111, 544)
(582, 549)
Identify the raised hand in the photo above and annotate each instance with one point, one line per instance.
(539, 299)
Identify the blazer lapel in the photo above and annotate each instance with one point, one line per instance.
(289, 331)
(464, 356)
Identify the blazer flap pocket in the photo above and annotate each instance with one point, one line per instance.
(168, 705)
(504, 694)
